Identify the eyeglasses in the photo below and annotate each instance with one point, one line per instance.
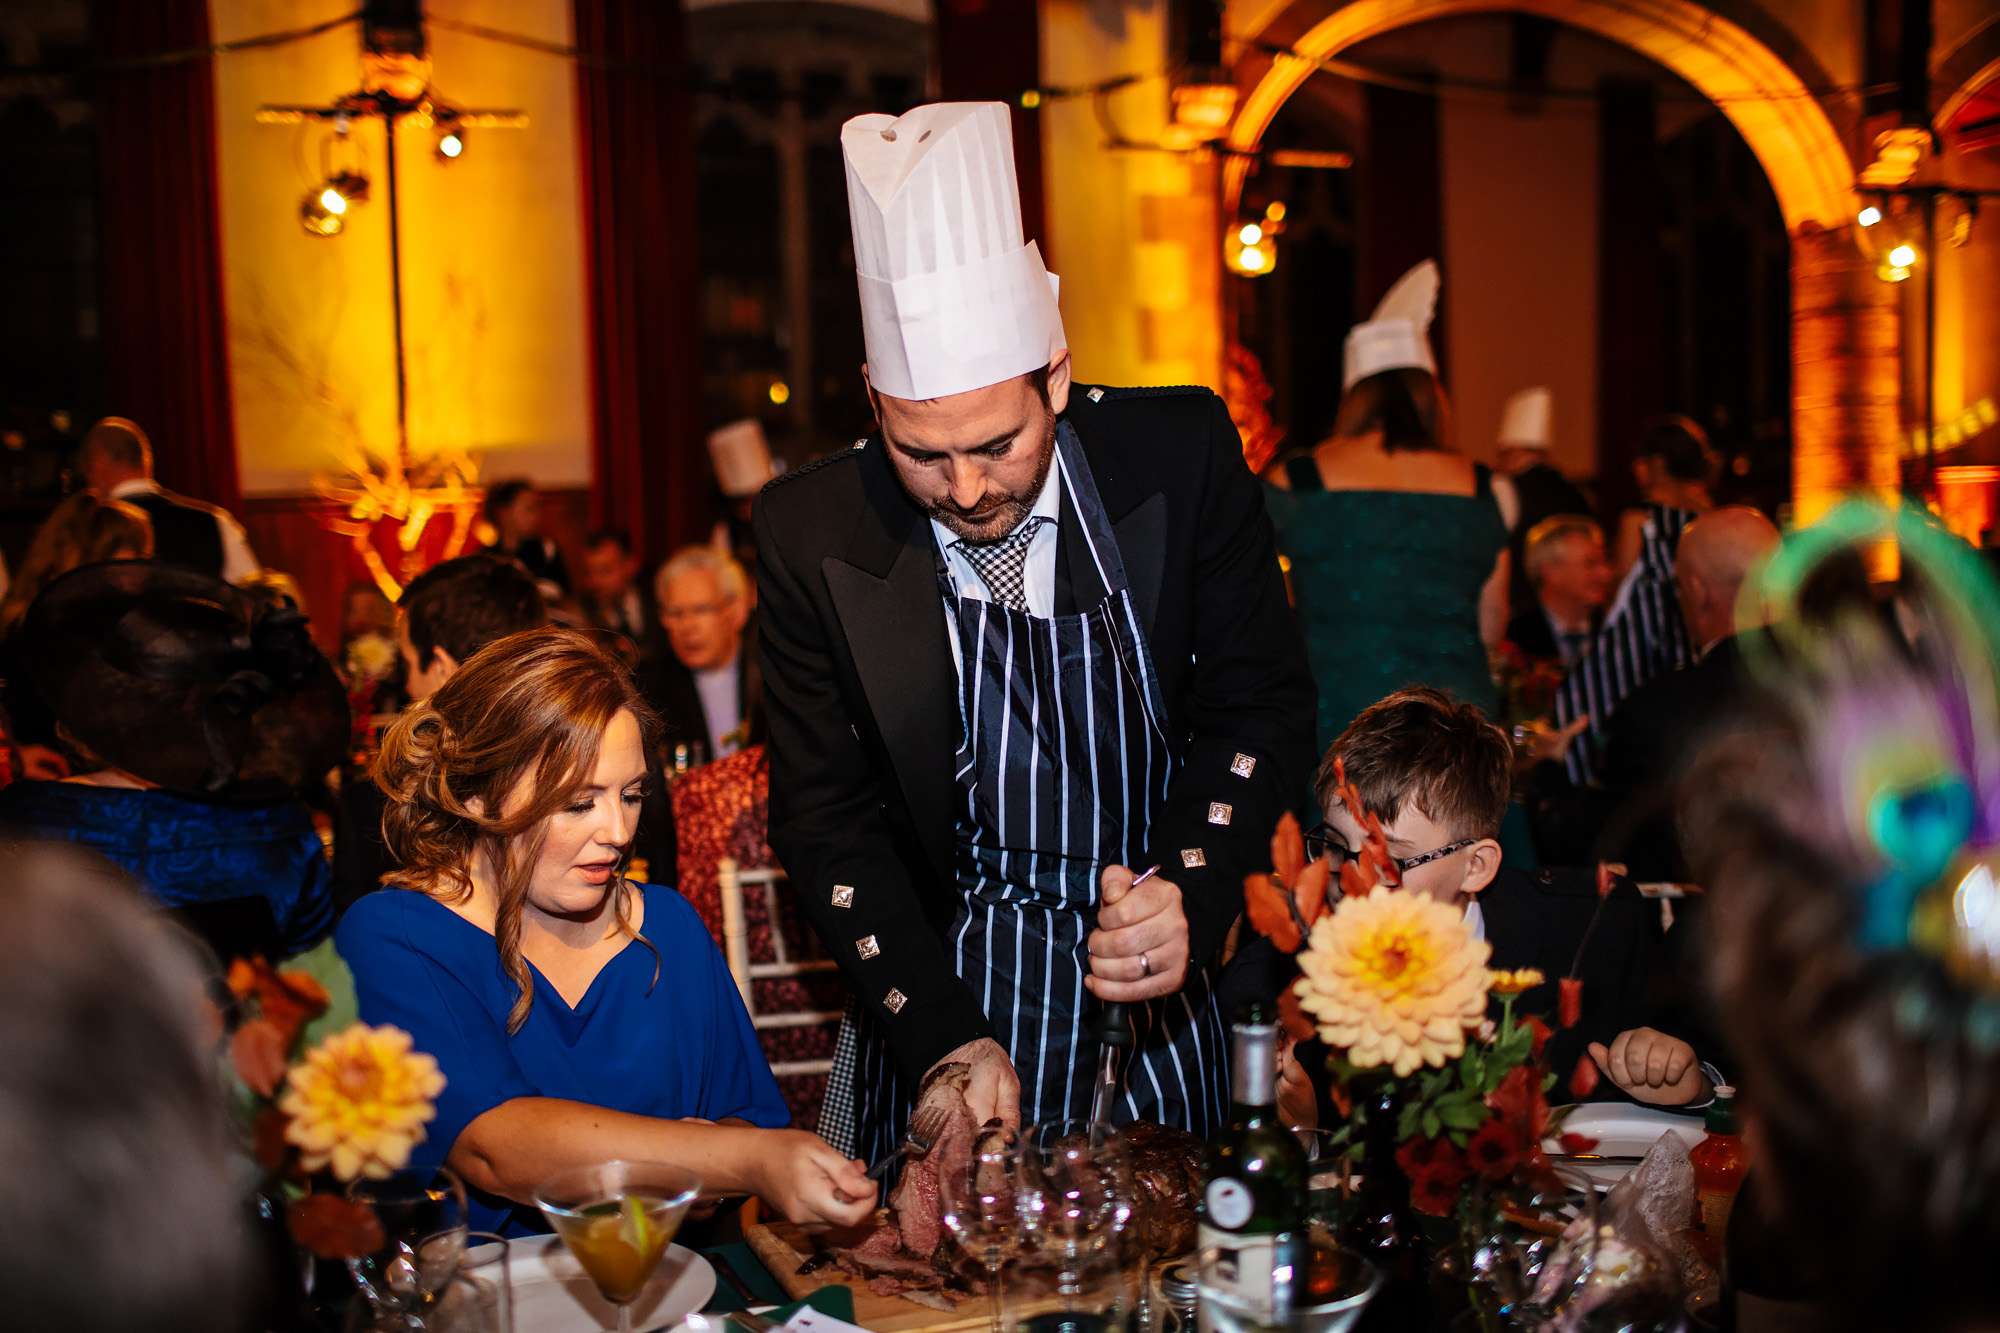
(1324, 840)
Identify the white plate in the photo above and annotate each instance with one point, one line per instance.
(1623, 1129)
(552, 1293)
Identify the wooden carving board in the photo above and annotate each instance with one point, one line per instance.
(782, 1246)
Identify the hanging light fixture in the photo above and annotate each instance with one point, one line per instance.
(326, 206)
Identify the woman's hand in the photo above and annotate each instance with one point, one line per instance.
(805, 1179)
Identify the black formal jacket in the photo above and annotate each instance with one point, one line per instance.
(648, 637)
(185, 532)
(861, 694)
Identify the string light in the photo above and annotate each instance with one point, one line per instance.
(1869, 216)
(780, 393)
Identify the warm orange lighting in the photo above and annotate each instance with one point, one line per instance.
(780, 392)
(1251, 234)
(1275, 211)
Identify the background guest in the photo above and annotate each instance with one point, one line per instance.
(118, 1189)
(614, 598)
(1654, 732)
(576, 1015)
(1675, 468)
(1395, 542)
(514, 508)
(200, 716)
(83, 530)
(1642, 634)
(446, 614)
(741, 458)
(116, 461)
(1570, 581)
(1523, 441)
(702, 687)
(1851, 943)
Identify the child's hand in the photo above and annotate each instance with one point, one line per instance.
(1652, 1067)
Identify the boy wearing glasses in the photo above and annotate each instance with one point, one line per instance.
(1438, 774)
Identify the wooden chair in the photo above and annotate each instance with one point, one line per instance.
(734, 882)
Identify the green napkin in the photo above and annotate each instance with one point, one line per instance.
(834, 1301)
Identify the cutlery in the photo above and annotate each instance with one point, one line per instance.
(732, 1276)
(925, 1127)
(1113, 1031)
(1601, 1159)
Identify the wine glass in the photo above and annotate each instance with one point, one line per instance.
(1076, 1204)
(980, 1203)
(423, 1216)
(618, 1218)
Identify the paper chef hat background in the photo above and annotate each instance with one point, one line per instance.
(952, 296)
(1524, 421)
(1397, 335)
(741, 457)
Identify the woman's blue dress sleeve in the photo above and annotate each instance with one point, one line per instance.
(404, 975)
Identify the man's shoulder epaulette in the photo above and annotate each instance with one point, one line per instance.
(1098, 393)
(838, 456)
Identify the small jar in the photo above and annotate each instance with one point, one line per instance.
(1180, 1294)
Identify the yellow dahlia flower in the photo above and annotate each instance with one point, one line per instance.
(359, 1101)
(1394, 979)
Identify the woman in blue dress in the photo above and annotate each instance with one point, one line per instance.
(577, 1016)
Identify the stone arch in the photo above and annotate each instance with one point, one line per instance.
(1777, 115)
(1845, 339)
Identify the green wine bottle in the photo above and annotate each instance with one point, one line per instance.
(1252, 1233)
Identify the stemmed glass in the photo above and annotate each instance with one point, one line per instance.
(618, 1218)
(1076, 1204)
(423, 1216)
(981, 1205)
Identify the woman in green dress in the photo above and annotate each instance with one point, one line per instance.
(1396, 547)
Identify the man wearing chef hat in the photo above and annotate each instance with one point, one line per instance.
(1022, 642)
(1523, 441)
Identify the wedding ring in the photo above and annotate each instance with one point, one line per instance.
(1145, 965)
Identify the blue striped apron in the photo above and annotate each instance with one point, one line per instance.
(1062, 764)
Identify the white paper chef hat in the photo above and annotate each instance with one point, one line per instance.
(952, 298)
(741, 457)
(1524, 421)
(1397, 335)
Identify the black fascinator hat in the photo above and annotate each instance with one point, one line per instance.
(186, 681)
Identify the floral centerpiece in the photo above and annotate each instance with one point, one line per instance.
(323, 1101)
(1443, 1104)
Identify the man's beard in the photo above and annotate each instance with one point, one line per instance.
(992, 520)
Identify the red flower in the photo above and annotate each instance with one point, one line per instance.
(1434, 1194)
(333, 1227)
(1494, 1150)
(1421, 1155)
(1576, 1143)
(1569, 1001)
(1583, 1081)
(1520, 1104)
(1540, 1036)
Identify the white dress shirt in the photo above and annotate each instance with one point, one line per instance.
(721, 709)
(238, 560)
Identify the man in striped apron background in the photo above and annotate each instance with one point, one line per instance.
(1022, 642)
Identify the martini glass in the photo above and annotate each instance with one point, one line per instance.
(617, 1218)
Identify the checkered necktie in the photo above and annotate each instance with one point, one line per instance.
(1004, 564)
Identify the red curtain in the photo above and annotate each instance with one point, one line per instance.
(166, 345)
(1402, 190)
(636, 125)
(1631, 303)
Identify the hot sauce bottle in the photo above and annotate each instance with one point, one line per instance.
(1719, 1162)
